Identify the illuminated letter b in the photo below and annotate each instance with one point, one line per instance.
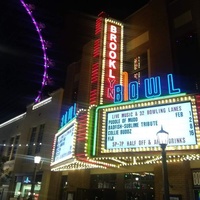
(119, 94)
(113, 29)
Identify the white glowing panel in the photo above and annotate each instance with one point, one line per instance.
(64, 145)
(138, 127)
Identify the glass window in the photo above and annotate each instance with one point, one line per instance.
(103, 181)
(40, 138)
(2, 147)
(16, 143)
(139, 186)
(10, 149)
(32, 141)
(140, 68)
(137, 68)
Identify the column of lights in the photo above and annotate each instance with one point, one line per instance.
(103, 64)
(95, 67)
(89, 122)
(86, 134)
(53, 150)
(86, 159)
(103, 135)
(81, 132)
(74, 139)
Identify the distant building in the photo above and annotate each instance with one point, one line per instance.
(25, 136)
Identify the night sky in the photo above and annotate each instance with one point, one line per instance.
(66, 28)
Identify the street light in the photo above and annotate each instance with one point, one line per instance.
(163, 137)
(37, 160)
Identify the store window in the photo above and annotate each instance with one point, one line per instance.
(137, 67)
(16, 143)
(23, 186)
(40, 138)
(140, 67)
(32, 141)
(103, 181)
(10, 149)
(2, 147)
(13, 145)
(139, 186)
(103, 187)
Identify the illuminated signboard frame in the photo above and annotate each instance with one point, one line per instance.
(67, 146)
(112, 60)
(101, 114)
(107, 65)
(135, 128)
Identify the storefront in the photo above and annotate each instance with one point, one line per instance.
(24, 183)
(105, 186)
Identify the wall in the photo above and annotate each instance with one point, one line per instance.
(180, 180)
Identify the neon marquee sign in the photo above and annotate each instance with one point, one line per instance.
(152, 88)
(112, 59)
(107, 64)
(68, 116)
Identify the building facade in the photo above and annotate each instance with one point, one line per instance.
(134, 77)
(24, 137)
(150, 63)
